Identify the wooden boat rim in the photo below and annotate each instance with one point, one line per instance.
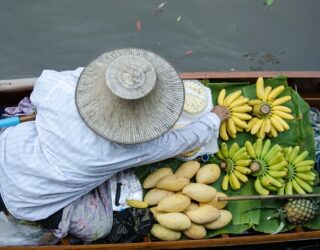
(226, 240)
(12, 85)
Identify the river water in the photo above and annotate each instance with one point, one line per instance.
(203, 35)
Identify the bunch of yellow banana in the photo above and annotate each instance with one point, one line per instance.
(235, 162)
(269, 166)
(269, 114)
(300, 177)
(238, 108)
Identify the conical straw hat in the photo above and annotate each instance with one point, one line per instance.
(129, 96)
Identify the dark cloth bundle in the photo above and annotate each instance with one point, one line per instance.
(129, 225)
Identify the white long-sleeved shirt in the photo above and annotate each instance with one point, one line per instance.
(47, 164)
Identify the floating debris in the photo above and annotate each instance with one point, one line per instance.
(159, 10)
(138, 25)
(188, 52)
(161, 5)
(179, 18)
(268, 2)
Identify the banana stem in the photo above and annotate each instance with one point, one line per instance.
(223, 165)
(255, 167)
(262, 109)
(268, 197)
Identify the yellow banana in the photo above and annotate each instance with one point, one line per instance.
(276, 124)
(275, 92)
(259, 188)
(242, 169)
(267, 91)
(256, 126)
(234, 181)
(232, 97)
(283, 115)
(242, 109)
(283, 123)
(239, 129)
(239, 123)
(240, 176)
(281, 108)
(225, 182)
(221, 96)
(251, 123)
(260, 88)
(254, 102)
(261, 133)
(268, 125)
(281, 100)
(223, 131)
(137, 204)
(241, 116)
(273, 132)
(231, 128)
(240, 101)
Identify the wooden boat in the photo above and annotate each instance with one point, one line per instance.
(307, 83)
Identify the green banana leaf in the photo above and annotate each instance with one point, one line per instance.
(254, 214)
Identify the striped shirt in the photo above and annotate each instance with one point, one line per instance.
(50, 162)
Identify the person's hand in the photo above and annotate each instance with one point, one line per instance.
(222, 112)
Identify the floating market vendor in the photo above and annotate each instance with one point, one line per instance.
(91, 123)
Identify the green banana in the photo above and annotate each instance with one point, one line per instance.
(259, 188)
(250, 149)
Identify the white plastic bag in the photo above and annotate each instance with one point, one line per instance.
(14, 232)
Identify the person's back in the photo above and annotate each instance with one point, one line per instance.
(49, 163)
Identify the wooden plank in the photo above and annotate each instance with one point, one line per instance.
(216, 242)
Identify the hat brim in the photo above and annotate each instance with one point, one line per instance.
(129, 121)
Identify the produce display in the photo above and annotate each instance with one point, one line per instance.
(265, 148)
(192, 208)
(238, 108)
(235, 162)
(301, 177)
(301, 211)
(269, 166)
(269, 115)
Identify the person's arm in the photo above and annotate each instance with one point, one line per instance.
(192, 136)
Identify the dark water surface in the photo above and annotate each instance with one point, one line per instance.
(203, 35)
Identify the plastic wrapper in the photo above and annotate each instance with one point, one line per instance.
(15, 232)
